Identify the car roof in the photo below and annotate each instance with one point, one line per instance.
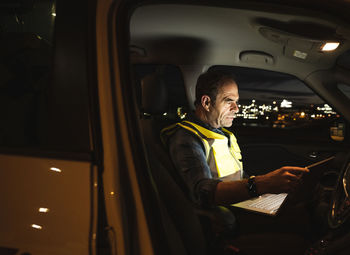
(272, 37)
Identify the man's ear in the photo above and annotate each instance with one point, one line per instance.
(205, 102)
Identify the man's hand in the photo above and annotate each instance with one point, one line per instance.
(284, 179)
(281, 180)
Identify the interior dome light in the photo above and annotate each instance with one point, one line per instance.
(329, 46)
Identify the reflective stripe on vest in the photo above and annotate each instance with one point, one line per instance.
(223, 160)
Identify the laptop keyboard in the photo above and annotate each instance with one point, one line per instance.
(269, 203)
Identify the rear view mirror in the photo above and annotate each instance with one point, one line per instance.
(337, 131)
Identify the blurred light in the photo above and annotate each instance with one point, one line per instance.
(36, 226)
(181, 113)
(165, 114)
(302, 114)
(43, 210)
(112, 193)
(286, 104)
(329, 46)
(274, 102)
(55, 169)
(53, 14)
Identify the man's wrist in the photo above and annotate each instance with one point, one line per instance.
(262, 184)
(251, 186)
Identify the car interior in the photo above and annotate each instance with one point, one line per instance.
(294, 110)
(291, 61)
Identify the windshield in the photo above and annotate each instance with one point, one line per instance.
(345, 89)
(277, 100)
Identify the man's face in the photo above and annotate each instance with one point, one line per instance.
(222, 112)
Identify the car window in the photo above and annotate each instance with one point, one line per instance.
(344, 60)
(274, 105)
(345, 88)
(32, 97)
(26, 57)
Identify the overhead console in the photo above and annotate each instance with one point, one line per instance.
(304, 41)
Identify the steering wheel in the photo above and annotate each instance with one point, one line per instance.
(340, 205)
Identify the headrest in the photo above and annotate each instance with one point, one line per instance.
(154, 96)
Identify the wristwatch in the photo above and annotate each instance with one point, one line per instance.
(251, 186)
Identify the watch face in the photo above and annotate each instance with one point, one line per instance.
(252, 187)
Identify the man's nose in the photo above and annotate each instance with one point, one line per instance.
(234, 107)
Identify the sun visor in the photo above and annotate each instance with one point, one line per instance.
(303, 50)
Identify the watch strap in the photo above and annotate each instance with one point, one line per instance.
(251, 186)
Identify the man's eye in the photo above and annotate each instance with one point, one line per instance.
(230, 101)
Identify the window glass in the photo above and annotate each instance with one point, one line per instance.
(344, 60)
(279, 104)
(345, 89)
(26, 31)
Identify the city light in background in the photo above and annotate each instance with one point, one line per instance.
(286, 104)
(281, 114)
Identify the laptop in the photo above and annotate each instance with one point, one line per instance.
(270, 204)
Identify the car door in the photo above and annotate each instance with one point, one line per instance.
(48, 176)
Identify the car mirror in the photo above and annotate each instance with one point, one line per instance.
(337, 131)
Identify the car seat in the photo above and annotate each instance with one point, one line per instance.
(185, 232)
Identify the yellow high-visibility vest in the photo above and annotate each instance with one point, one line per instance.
(225, 162)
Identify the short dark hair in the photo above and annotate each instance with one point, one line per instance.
(209, 84)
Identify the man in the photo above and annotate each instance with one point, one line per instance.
(208, 156)
(209, 160)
